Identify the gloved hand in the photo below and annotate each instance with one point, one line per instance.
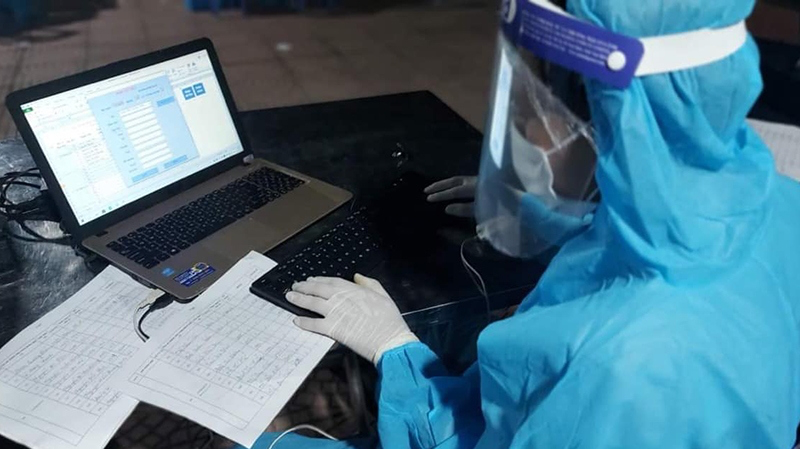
(455, 188)
(359, 315)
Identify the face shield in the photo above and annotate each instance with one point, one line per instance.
(536, 184)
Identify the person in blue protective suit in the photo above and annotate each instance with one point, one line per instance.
(670, 321)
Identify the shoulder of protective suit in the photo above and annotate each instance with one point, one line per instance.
(649, 353)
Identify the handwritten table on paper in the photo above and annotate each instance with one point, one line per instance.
(784, 142)
(231, 362)
(54, 376)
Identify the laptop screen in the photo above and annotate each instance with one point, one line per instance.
(112, 142)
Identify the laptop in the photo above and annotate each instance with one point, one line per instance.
(150, 169)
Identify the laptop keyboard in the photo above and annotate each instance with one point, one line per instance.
(348, 248)
(178, 230)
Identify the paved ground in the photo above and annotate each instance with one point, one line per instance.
(285, 59)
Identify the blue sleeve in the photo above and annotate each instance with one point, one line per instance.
(421, 406)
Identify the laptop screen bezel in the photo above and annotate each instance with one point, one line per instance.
(78, 232)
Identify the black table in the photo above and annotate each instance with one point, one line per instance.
(364, 144)
(360, 145)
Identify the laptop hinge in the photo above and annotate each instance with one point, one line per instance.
(248, 159)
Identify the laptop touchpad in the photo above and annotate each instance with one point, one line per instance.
(241, 238)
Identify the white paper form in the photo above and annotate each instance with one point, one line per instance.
(230, 362)
(784, 142)
(54, 375)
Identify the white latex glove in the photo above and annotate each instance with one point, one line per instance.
(452, 189)
(359, 315)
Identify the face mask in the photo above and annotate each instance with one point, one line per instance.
(528, 216)
(530, 165)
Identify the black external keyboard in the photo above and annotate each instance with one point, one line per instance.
(167, 236)
(349, 248)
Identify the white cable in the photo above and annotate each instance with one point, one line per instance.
(144, 305)
(472, 271)
(595, 193)
(298, 427)
(468, 269)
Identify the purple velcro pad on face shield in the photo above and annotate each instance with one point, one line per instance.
(592, 51)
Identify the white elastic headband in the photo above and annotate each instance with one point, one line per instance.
(680, 51)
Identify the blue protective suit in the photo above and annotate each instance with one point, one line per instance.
(672, 321)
